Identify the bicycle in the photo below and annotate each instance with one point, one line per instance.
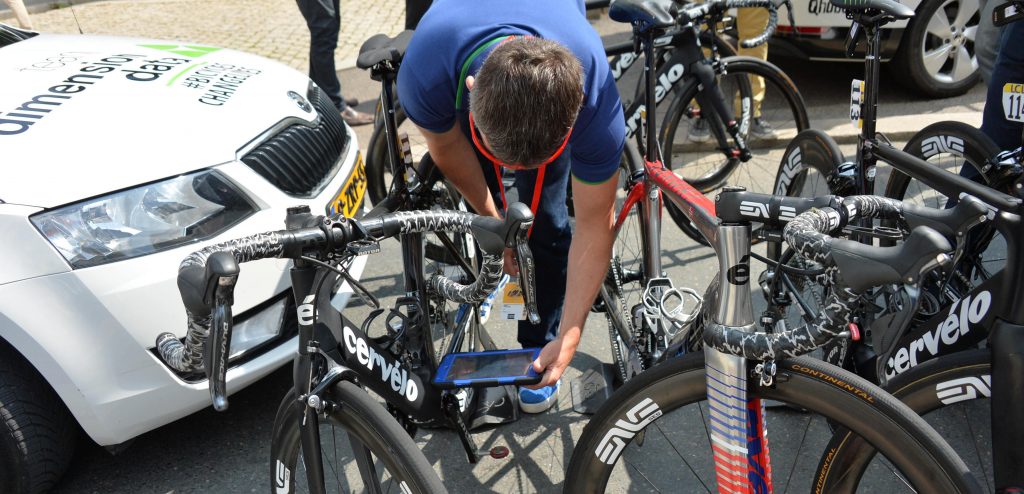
(716, 84)
(337, 358)
(738, 367)
(813, 165)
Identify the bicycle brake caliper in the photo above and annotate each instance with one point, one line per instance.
(766, 372)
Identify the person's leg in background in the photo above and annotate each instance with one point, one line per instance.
(414, 10)
(324, 21)
(751, 22)
(549, 242)
(1009, 69)
(986, 39)
(18, 7)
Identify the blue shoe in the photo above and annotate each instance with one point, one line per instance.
(538, 400)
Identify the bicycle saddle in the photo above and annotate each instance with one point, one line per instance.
(381, 48)
(650, 13)
(888, 7)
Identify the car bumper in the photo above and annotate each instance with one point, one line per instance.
(90, 332)
(830, 45)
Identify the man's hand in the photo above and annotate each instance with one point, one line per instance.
(510, 266)
(556, 356)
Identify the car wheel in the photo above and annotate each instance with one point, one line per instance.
(38, 435)
(936, 54)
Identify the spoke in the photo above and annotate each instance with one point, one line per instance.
(963, 64)
(935, 59)
(630, 464)
(968, 8)
(803, 437)
(364, 460)
(680, 455)
(971, 33)
(334, 443)
(977, 451)
(938, 25)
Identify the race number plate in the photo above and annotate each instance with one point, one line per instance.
(349, 198)
(856, 98)
(512, 306)
(1013, 102)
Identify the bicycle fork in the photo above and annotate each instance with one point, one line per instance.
(737, 430)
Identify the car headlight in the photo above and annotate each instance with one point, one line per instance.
(145, 219)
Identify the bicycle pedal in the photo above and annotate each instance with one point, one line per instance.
(497, 452)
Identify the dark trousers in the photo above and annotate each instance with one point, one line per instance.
(549, 242)
(414, 10)
(1009, 68)
(324, 21)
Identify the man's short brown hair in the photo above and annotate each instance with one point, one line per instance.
(526, 97)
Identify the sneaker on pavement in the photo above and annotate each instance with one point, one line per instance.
(538, 400)
(760, 128)
(354, 118)
(699, 131)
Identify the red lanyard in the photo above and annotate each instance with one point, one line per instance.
(538, 186)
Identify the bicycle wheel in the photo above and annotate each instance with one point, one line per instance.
(951, 393)
(654, 434)
(697, 156)
(357, 428)
(453, 257)
(624, 283)
(378, 169)
(954, 146)
(811, 166)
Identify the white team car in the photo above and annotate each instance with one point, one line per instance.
(932, 52)
(119, 157)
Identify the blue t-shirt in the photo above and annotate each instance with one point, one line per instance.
(452, 30)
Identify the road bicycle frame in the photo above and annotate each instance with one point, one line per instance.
(1003, 314)
(738, 459)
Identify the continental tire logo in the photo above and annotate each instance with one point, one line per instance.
(615, 440)
(963, 389)
(834, 381)
(942, 144)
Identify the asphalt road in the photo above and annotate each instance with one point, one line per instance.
(228, 452)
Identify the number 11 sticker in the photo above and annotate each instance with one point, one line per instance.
(1013, 102)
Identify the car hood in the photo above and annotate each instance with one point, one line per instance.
(83, 115)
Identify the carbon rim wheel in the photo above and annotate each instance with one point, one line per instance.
(653, 436)
(359, 427)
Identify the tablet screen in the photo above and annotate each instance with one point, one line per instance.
(490, 366)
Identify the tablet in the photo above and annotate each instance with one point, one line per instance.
(486, 369)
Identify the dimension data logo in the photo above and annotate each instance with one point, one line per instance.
(192, 51)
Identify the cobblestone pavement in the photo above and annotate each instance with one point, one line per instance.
(272, 28)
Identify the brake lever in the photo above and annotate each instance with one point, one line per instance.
(224, 273)
(527, 272)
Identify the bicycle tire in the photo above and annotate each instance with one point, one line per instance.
(443, 313)
(357, 415)
(807, 164)
(377, 166)
(942, 390)
(806, 384)
(706, 167)
(953, 146)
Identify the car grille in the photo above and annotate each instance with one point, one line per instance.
(300, 159)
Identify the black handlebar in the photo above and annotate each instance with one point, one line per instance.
(850, 269)
(206, 278)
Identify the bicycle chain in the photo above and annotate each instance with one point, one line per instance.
(613, 333)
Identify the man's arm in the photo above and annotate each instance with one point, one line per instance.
(589, 254)
(454, 156)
